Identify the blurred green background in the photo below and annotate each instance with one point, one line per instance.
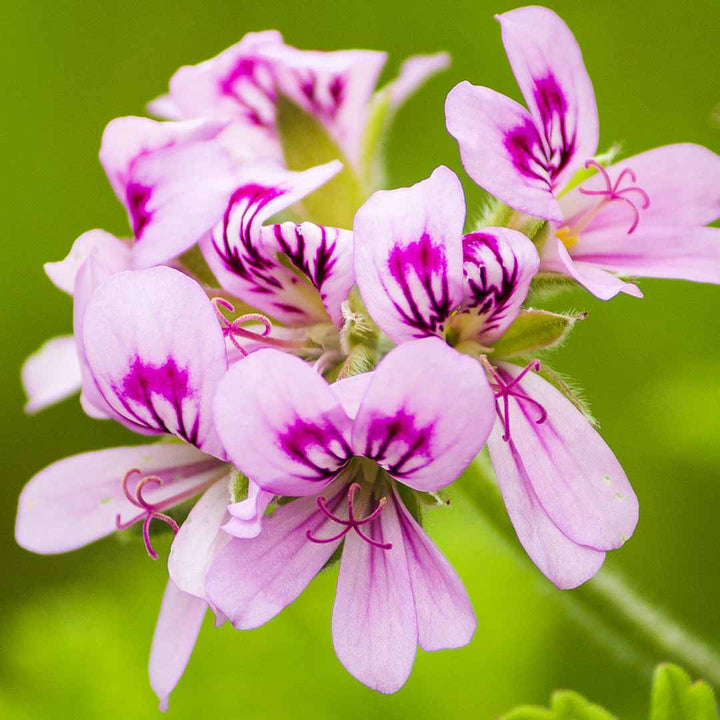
(75, 630)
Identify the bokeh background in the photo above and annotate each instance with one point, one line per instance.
(75, 630)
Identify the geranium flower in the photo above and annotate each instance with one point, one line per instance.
(643, 216)
(345, 451)
(566, 494)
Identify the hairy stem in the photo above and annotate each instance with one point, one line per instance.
(628, 624)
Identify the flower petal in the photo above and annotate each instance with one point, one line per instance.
(154, 169)
(414, 72)
(77, 500)
(281, 424)
(156, 351)
(424, 433)
(181, 617)
(561, 560)
(408, 255)
(501, 149)
(498, 264)
(374, 626)
(111, 252)
(51, 373)
(252, 580)
(199, 539)
(550, 71)
(247, 515)
(574, 474)
(445, 618)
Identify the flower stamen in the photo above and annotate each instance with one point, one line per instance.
(352, 523)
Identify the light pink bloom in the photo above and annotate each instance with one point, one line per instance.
(243, 84)
(643, 216)
(566, 494)
(343, 450)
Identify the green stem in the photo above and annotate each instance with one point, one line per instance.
(613, 612)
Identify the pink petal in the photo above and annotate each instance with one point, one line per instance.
(562, 561)
(574, 474)
(499, 265)
(374, 625)
(550, 71)
(51, 373)
(350, 392)
(77, 500)
(199, 539)
(445, 618)
(246, 516)
(252, 580)
(414, 72)
(501, 149)
(110, 252)
(181, 617)
(408, 255)
(156, 352)
(281, 424)
(592, 277)
(424, 433)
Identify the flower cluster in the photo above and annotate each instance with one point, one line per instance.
(322, 358)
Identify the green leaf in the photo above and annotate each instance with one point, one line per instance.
(533, 331)
(307, 143)
(675, 697)
(564, 705)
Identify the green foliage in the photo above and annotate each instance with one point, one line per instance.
(533, 331)
(675, 697)
(564, 705)
(306, 143)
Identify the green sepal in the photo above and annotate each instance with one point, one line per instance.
(675, 697)
(239, 486)
(533, 331)
(546, 285)
(564, 705)
(372, 148)
(307, 143)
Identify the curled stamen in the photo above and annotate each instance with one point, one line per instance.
(150, 511)
(352, 523)
(615, 192)
(504, 391)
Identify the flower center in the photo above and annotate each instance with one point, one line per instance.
(352, 523)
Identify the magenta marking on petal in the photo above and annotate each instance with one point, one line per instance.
(526, 151)
(352, 523)
(250, 83)
(613, 191)
(137, 197)
(151, 512)
(505, 390)
(324, 256)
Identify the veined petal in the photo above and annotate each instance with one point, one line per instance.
(244, 257)
(154, 169)
(51, 373)
(247, 515)
(593, 278)
(502, 149)
(561, 560)
(181, 617)
(424, 433)
(252, 580)
(499, 264)
(112, 253)
(156, 351)
(199, 539)
(281, 424)
(445, 618)
(681, 253)
(550, 71)
(374, 624)
(408, 255)
(574, 474)
(77, 500)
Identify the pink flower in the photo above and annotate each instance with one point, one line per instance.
(644, 216)
(344, 451)
(566, 494)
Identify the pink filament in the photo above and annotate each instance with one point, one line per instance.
(352, 523)
(614, 192)
(151, 512)
(507, 390)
